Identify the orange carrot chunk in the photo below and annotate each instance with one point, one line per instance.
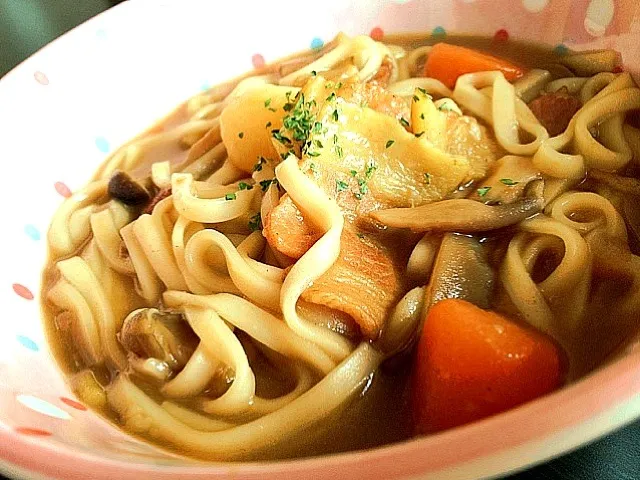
(447, 62)
(472, 363)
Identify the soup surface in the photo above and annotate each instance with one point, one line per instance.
(353, 246)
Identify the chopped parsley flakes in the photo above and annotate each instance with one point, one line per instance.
(279, 137)
(389, 143)
(427, 178)
(230, 196)
(255, 222)
(370, 169)
(245, 186)
(341, 186)
(241, 135)
(483, 191)
(258, 166)
(265, 184)
(404, 122)
(508, 182)
(300, 120)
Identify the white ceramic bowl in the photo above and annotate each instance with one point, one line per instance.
(65, 108)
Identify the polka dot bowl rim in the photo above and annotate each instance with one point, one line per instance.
(80, 86)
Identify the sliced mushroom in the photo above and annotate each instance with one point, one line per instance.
(148, 333)
(403, 323)
(461, 270)
(129, 191)
(531, 84)
(507, 182)
(461, 215)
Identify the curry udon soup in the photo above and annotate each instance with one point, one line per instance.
(353, 246)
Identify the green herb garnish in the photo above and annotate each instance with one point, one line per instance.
(341, 186)
(245, 186)
(339, 151)
(418, 135)
(372, 167)
(241, 135)
(255, 222)
(363, 186)
(483, 191)
(353, 173)
(258, 166)
(300, 120)
(336, 115)
(230, 196)
(508, 182)
(416, 98)
(267, 102)
(267, 125)
(265, 184)
(389, 143)
(279, 137)
(313, 73)
(404, 122)
(427, 178)
(331, 97)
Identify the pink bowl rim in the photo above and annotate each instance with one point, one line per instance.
(598, 395)
(590, 403)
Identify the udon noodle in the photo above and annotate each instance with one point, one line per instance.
(190, 315)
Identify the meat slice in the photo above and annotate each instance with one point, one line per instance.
(555, 110)
(287, 232)
(365, 282)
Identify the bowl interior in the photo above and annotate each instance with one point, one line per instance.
(79, 98)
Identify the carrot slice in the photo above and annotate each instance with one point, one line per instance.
(472, 363)
(447, 62)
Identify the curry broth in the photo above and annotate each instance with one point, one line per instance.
(380, 414)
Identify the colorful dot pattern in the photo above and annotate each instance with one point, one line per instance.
(41, 78)
(62, 189)
(41, 406)
(439, 32)
(317, 43)
(27, 343)
(22, 291)
(257, 61)
(102, 144)
(501, 36)
(377, 34)
(32, 232)
(73, 404)
(560, 49)
(33, 432)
